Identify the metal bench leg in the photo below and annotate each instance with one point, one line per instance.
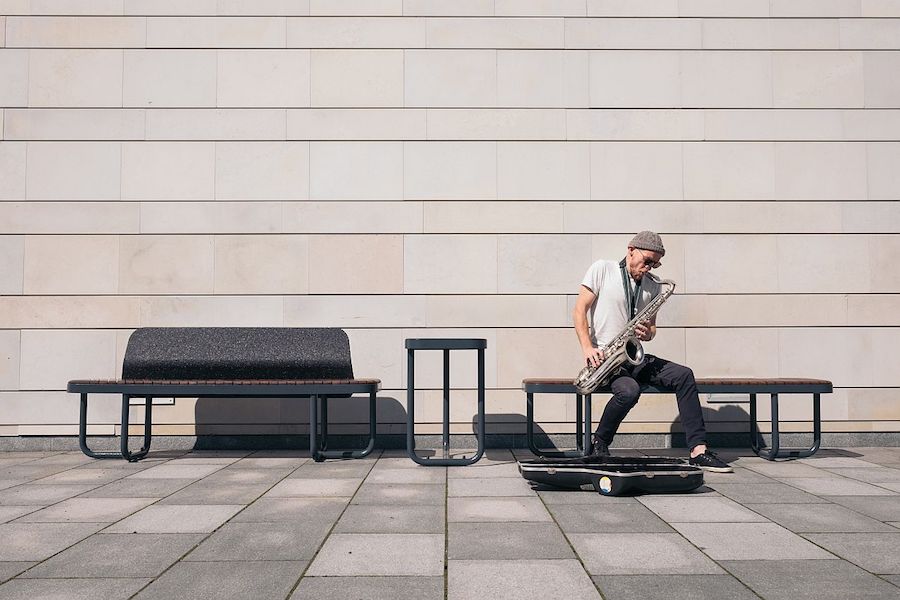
(148, 419)
(82, 434)
(776, 451)
(579, 438)
(579, 423)
(319, 451)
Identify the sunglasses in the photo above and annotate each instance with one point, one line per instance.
(649, 262)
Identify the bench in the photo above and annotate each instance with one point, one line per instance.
(227, 362)
(748, 386)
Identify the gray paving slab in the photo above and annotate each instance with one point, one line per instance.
(406, 494)
(893, 486)
(506, 541)
(787, 469)
(261, 462)
(8, 483)
(818, 518)
(225, 581)
(176, 519)
(31, 494)
(191, 459)
(870, 475)
(740, 475)
(581, 497)
(485, 471)
(672, 587)
(515, 580)
(370, 588)
(71, 589)
(394, 462)
(299, 488)
(351, 469)
(262, 541)
(883, 508)
(372, 518)
(496, 510)
(9, 513)
(37, 541)
(760, 493)
(749, 541)
(374, 554)
(418, 475)
(117, 555)
(31, 472)
(247, 476)
(826, 462)
(640, 554)
(839, 486)
(292, 510)
(810, 580)
(204, 492)
(88, 510)
(95, 476)
(175, 471)
(609, 518)
(895, 579)
(500, 486)
(875, 552)
(64, 458)
(8, 570)
(138, 488)
(699, 509)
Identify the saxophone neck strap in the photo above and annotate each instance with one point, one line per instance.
(631, 298)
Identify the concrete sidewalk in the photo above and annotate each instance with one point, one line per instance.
(225, 525)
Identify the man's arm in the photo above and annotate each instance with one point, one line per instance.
(583, 304)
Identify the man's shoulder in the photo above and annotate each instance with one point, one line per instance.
(604, 264)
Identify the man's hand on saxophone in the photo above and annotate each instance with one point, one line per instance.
(645, 331)
(593, 356)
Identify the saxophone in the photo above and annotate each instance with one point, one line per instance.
(624, 347)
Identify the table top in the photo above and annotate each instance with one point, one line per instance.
(446, 343)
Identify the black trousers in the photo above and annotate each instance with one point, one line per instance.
(626, 388)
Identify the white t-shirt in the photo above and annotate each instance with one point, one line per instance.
(609, 312)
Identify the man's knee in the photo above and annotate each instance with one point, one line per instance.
(626, 392)
(685, 375)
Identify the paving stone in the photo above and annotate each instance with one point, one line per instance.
(174, 471)
(870, 475)
(225, 580)
(395, 462)
(875, 552)
(298, 488)
(37, 541)
(370, 518)
(88, 510)
(262, 541)
(71, 589)
(8, 570)
(333, 470)
(514, 580)
(419, 475)
(610, 518)
(895, 579)
(640, 554)
(272, 453)
(810, 580)
(176, 519)
(255, 462)
(117, 555)
(753, 493)
(740, 475)
(138, 488)
(893, 486)
(485, 471)
(8, 483)
(34, 494)
(690, 509)
(96, 476)
(749, 541)
(501, 486)
(818, 518)
(380, 554)
(828, 462)
(370, 588)
(192, 459)
(292, 510)
(8, 513)
(70, 459)
(839, 486)
(672, 587)
(883, 508)
(506, 541)
(30, 472)
(406, 494)
(203, 492)
(788, 469)
(581, 497)
(496, 509)
(247, 476)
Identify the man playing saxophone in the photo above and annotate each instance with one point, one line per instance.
(611, 294)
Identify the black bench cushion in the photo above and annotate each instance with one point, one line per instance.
(231, 353)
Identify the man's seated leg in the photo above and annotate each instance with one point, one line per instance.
(626, 392)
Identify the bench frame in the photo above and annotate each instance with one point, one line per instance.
(315, 390)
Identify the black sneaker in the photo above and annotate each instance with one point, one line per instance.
(708, 461)
(599, 447)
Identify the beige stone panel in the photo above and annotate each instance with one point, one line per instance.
(536, 352)
(450, 264)
(60, 312)
(730, 79)
(378, 354)
(170, 78)
(446, 8)
(216, 124)
(842, 355)
(820, 171)
(882, 159)
(496, 124)
(356, 124)
(795, 412)
(880, 8)
(262, 170)
(50, 358)
(815, 8)
(91, 78)
(728, 264)
(872, 404)
(356, 171)
(448, 78)
(75, 7)
(772, 310)
(774, 124)
(885, 341)
(536, 79)
(493, 217)
(635, 124)
(69, 217)
(262, 7)
(56, 413)
(12, 170)
(682, 310)
(2, 32)
(714, 8)
(356, 32)
(352, 217)
(169, 7)
(544, 170)
(878, 34)
(216, 32)
(635, 78)
(71, 264)
(356, 7)
(616, 217)
(624, 8)
(734, 352)
(507, 310)
(771, 217)
(355, 264)
(168, 170)
(166, 264)
(9, 359)
(73, 171)
(12, 264)
(823, 264)
(450, 170)
(542, 264)
(463, 363)
(355, 311)
(76, 32)
(16, 7)
(210, 217)
(356, 78)
(261, 264)
(495, 33)
(549, 8)
(263, 78)
(211, 311)
(884, 251)
(818, 79)
(14, 74)
(504, 411)
(636, 171)
(576, 79)
(614, 247)
(873, 309)
(775, 34)
(882, 88)
(650, 33)
(871, 124)
(74, 124)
